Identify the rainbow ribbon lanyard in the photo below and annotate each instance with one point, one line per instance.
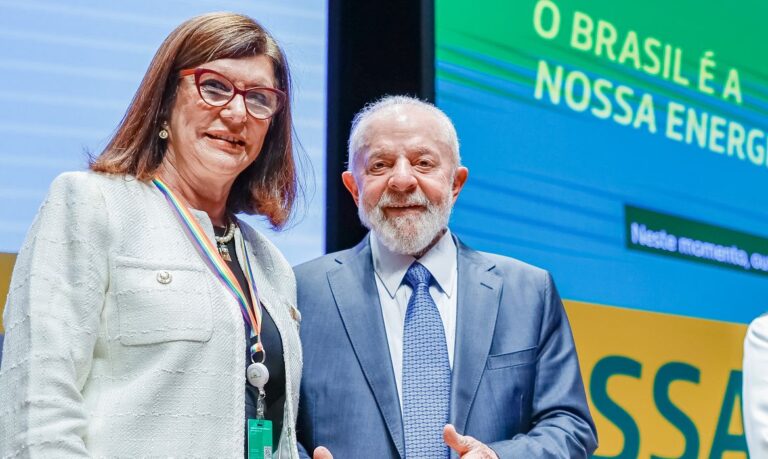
(251, 314)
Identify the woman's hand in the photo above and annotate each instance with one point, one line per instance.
(321, 452)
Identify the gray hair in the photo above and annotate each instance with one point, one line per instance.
(360, 123)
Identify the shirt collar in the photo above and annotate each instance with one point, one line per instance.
(440, 260)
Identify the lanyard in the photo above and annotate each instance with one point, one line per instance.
(251, 313)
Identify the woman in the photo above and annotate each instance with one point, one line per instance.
(138, 299)
(755, 387)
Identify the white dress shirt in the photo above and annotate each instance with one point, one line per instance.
(390, 269)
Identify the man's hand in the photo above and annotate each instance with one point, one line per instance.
(467, 447)
(321, 452)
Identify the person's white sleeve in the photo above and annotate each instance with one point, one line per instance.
(52, 323)
(755, 394)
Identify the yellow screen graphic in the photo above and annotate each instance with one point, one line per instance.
(661, 385)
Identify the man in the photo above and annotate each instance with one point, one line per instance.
(412, 330)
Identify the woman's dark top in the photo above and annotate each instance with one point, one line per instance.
(273, 345)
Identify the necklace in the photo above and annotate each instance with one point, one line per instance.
(221, 242)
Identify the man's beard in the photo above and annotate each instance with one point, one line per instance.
(407, 234)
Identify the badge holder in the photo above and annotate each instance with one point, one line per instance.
(259, 429)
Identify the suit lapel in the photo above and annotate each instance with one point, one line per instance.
(357, 299)
(479, 292)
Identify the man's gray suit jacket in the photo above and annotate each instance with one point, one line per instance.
(516, 384)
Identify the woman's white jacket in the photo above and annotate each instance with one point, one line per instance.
(120, 342)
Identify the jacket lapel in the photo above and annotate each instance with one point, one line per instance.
(267, 295)
(479, 291)
(357, 299)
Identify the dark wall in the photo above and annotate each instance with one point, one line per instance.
(375, 48)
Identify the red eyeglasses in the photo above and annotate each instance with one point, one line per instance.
(217, 90)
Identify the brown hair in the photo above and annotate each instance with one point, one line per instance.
(269, 185)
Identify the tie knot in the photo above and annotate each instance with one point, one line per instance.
(417, 275)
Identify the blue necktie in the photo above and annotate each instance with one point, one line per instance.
(426, 371)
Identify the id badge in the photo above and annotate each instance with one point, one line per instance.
(259, 439)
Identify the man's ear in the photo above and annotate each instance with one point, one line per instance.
(459, 178)
(351, 185)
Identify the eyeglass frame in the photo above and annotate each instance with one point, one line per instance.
(197, 72)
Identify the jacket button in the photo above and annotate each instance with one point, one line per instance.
(164, 277)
